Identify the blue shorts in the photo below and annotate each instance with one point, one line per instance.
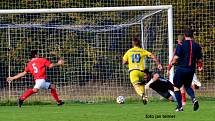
(183, 76)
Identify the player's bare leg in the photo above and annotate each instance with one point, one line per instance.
(26, 95)
(55, 95)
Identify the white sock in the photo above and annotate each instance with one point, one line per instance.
(173, 95)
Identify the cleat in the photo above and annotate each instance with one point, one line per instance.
(145, 99)
(195, 105)
(60, 103)
(179, 109)
(20, 102)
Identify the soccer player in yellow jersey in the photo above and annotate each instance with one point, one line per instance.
(134, 57)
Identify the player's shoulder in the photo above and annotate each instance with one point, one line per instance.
(129, 49)
(28, 63)
(41, 59)
(184, 44)
(162, 79)
(145, 50)
(196, 43)
(179, 43)
(178, 46)
(134, 49)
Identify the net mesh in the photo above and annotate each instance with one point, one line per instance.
(92, 47)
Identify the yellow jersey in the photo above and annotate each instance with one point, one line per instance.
(135, 58)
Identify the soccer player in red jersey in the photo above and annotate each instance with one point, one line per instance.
(36, 67)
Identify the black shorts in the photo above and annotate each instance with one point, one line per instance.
(183, 76)
(162, 88)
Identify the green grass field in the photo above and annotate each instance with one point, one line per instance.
(108, 112)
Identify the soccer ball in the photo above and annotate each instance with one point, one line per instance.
(120, 100)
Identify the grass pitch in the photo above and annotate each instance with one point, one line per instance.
(159, 111)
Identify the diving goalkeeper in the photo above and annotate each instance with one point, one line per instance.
(134, 57)
(159, 84)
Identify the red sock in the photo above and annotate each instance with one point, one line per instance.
(55, 95)
(27, 94)
(183, 97)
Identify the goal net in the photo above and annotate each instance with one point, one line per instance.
(92, 42)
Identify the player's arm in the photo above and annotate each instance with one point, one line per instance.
(171, 64)
(174, 60)
(148, 54)
(9, 79)
(59, 63)
(156, 61)
(155, 78)
(178, 53)
(125, 58)
(149, 83)
(199, 59)
(124, 62)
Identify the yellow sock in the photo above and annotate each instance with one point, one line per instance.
(139, 89)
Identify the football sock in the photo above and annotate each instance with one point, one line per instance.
(139, 89)
(179, 98)
(183, 94)
(173, 95)
(55, 95)
(190, 92)
(27, 94)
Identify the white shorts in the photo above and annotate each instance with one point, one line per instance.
(41, 84)
(196, 81)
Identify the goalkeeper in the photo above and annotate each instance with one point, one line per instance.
(159, 84)
(134, 57)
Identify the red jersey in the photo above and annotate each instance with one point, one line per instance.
(37, 67)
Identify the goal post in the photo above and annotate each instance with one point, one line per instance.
(91, 40)
(170, 38)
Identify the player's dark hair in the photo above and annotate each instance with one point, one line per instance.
(148, 73)
(188, 33)
(137, 41)
(33, 53)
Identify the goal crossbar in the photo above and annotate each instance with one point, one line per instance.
(94, 9)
